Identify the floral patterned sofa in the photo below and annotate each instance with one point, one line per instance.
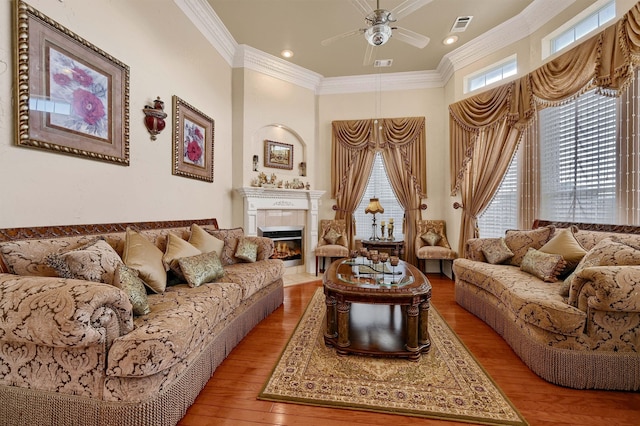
(564, 296)
(125, 338)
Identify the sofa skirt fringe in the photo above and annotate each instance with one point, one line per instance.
(570, 368)
(21, 406)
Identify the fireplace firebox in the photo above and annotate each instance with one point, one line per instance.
(288, 242)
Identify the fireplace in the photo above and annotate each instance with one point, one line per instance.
(288, 242)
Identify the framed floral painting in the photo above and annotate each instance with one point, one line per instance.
(73, 98)
(192, 142)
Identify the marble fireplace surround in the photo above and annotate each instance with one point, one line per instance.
(273, 199)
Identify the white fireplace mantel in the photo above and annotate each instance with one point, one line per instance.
(258, 198)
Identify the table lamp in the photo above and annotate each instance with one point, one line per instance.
(373, 208)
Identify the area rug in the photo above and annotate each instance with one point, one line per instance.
(446, 383)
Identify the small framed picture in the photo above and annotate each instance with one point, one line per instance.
(192, 142)
(72, 97)
(278, 155)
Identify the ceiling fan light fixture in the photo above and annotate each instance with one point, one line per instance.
(377, 35)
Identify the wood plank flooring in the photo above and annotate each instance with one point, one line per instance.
(229, 397)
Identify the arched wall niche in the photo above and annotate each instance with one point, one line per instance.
(284, 134)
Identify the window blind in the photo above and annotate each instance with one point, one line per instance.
(502, 212)
(378, 186)
(578, 160)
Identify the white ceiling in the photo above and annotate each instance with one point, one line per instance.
(300, 25)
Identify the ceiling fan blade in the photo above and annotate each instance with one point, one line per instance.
(407, 7)
(330, 40)
(411, 37)
(368, 55)
(362, 6)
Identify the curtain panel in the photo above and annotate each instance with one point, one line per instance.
(606, 61)
(402, 142)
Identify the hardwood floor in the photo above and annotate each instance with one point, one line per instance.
(229, 397)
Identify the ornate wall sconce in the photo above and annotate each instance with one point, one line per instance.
(303, 168)
(255, 163)
(154, 118)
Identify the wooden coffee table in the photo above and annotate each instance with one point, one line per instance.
(377, 314)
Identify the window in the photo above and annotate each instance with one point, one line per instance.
(380, 187)
(492, 74)
(578, 153)
(582, 166)
(567, 36)
(502, 212)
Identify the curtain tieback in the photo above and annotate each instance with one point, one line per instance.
(338, 209)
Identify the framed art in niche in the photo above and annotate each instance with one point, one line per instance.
(278, 155)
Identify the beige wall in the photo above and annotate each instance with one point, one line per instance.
(167, 56)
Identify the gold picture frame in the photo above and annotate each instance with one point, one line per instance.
(72, 97)
(278, 155)
(193, 133)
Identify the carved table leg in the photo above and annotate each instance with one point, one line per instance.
(412, 329)
(344, 309)
(424, 324)
(331, 330)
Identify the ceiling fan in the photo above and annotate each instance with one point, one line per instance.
(379, 29)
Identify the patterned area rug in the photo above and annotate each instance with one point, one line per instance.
(447, 383)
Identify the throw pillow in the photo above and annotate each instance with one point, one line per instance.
(202, 268)
(142, 255)
(177, 248)
(96, 261)
(230, 238)
(565, 244)
(247, 250)
(545, 266)
(519, 242)
(607, 252)
(495, 250)
(128, 281)
(331, 236)
(204, 241)
(431, 238)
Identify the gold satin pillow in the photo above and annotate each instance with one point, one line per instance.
(204, 241)
(142, 255)
(177, 248)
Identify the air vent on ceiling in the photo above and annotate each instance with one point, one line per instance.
(461, 24)
(381, 63)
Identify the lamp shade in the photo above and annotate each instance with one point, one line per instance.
(374, 206)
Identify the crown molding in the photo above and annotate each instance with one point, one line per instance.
(380, 82)
(531, 19)
(201, 14)
(254, 59)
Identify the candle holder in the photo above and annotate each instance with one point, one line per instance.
(382, 225)
(390, 231)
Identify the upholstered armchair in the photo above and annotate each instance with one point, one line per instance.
(332, 242)
(431, 242)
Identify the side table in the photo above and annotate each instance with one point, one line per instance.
(387, 246)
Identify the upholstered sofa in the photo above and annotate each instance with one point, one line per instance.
(76, 349)
(567, 299)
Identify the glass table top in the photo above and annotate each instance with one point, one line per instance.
(365, 273)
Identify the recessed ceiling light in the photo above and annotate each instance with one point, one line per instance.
(286, 53)
(450, 40)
